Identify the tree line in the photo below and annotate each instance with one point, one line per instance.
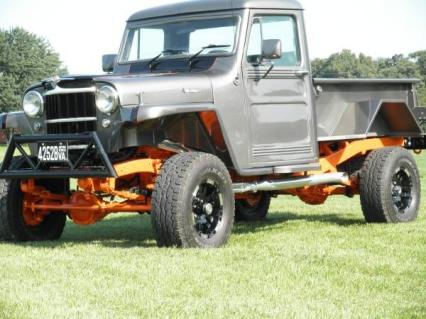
(26, 58)
(347, 64)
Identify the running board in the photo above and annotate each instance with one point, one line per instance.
(293, 183)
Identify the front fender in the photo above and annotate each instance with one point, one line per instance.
(147, 112)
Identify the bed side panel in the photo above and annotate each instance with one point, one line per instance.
(358, 108)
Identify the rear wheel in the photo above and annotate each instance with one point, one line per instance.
(390, 186)
(252, 209)
(193, 202)
(18, 224)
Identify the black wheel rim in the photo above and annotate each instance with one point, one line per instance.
(207, 208)
(402, 190)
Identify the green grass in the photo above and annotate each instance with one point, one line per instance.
(303, 262)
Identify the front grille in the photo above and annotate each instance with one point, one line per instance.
(70, 113)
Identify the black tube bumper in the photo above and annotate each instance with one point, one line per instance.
(70, 169)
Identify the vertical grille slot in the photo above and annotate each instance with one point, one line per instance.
(69, 107)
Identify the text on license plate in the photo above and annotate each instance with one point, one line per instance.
(53, 152)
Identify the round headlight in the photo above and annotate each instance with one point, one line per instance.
(33, 104)
(106, 99)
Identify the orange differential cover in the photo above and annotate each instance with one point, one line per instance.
(85, 217)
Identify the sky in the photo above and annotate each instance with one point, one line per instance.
(81, 31)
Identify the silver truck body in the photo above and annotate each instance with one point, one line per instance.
(271, 118)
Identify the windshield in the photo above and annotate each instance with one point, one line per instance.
(181, 38)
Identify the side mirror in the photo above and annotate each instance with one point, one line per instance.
(271, 49)
(108, 62)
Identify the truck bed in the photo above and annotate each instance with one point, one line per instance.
(360, 108)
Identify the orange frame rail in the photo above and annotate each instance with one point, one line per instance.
(330, 161)
(354, 149)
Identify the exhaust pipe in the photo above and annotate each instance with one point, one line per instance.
(293, 183)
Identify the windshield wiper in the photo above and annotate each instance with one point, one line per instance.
(152, 64)
(211, 46)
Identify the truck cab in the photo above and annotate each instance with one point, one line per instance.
(208, 111)
(256, 49)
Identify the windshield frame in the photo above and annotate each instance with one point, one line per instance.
(154, 21)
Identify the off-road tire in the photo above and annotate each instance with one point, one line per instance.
(12, 225)
(173, 208)
(378, 179)
(244, 212)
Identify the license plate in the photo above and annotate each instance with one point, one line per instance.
(53, 152)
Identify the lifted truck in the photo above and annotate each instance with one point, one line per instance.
(207, 112)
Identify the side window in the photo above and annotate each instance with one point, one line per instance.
(283, 28)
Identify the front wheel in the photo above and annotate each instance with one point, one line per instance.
(18, 224)
(193, 202)
(390, 186)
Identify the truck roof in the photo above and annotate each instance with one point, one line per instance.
(195, 6)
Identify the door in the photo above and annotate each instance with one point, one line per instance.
(278, 93)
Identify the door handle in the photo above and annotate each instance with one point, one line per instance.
(301, 73)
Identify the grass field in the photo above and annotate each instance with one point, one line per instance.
(303, 262)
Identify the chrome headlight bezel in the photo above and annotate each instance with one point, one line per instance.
(106, 98)
(33, 104)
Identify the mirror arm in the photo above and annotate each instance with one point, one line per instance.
(268, 71)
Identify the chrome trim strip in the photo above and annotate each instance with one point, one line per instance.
(59, 90)
(71, 120)
(365, 81)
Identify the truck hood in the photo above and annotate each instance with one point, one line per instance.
(160, 89)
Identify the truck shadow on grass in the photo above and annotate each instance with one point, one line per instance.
(280, 219)
(334, 219)
(136, 231)
(122, 232)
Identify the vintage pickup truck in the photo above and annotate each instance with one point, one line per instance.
(208, 111)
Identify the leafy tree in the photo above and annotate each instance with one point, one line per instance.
(24, 59)
(420, 59)
(345, 65)
(398, 66)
